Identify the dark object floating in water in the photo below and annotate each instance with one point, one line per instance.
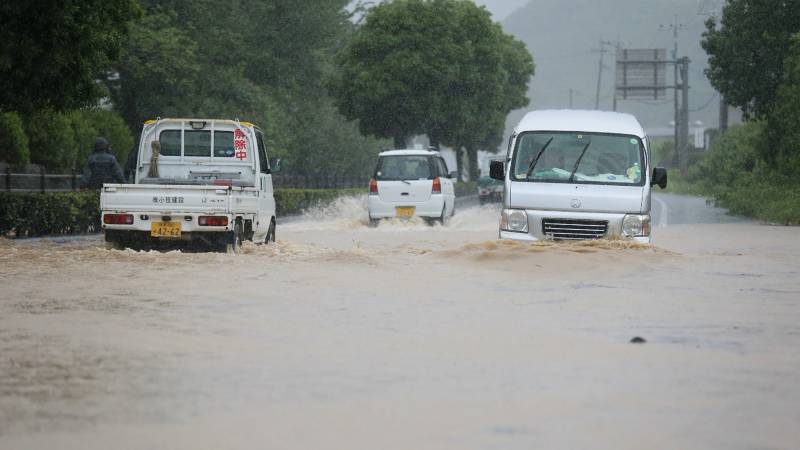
(638, 340)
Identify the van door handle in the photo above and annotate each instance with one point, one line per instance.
(404, 193)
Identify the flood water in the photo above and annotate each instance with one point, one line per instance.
(342, 336)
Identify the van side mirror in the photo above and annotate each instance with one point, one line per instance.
(453, 175)
(275, 165)
(497, 170)
(659, 177)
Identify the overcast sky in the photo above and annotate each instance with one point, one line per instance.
(500, 9)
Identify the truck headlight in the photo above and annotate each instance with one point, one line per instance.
(514, 220)
(636, 225)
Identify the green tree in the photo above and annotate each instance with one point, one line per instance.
(497, 89)
(262, 61)
(158, 70)
(52, 140)
(783, 121)
(13, 141)
(438, 67)
(747, 53)
(52, 52)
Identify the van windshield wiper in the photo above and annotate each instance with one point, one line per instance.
(538, 155)
(578, 162)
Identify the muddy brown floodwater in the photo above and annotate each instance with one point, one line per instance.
(405, 336)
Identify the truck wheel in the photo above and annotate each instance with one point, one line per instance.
(271, 233)
(234, 245)
(113, 244)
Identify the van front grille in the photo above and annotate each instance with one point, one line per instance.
(574, 229)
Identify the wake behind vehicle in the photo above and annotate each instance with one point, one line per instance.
(411, 183)
(577, 175)
(196, 181)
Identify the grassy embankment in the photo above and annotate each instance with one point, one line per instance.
(735, 175)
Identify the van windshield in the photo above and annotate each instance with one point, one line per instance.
(586, 158)
(404, 167)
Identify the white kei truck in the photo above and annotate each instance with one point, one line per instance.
(199, 181)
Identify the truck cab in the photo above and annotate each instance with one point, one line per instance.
(204, 180)
(573, 175)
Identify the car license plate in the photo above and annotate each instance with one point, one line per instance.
(404, 211)
(165, 229)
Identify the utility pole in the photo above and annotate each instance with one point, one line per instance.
(600, 68)
(713, 9)
(683, 147)
(675, 26)
(723, 114)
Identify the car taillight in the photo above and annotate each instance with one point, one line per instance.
(373, 186)
(437, 186)
(212, 221)
(118, 219)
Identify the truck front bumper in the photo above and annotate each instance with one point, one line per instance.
(537, 219)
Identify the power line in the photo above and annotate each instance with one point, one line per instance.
(705, 105)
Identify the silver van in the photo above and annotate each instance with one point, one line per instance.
(572, 175)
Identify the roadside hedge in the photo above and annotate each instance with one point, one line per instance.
(39, 214)
(735, 176)
(54, 213)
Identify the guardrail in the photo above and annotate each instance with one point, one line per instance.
(42, 181)
(39, 182)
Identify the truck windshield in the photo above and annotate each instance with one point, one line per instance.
(404, 167)
(587, 158)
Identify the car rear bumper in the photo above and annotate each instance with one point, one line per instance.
(379, 209)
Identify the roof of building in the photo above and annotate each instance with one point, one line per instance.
(581, 120)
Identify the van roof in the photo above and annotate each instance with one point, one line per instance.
(407, 152)
(581, 120)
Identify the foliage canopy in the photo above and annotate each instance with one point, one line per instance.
(435, 67)
(747, 53)
(52, 52)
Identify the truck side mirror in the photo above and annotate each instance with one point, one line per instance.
(275, 165)
(453, 175)
(497, 170)
(659, 177)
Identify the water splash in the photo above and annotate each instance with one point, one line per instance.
(351, 213)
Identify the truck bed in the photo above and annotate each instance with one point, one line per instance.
(178, 198)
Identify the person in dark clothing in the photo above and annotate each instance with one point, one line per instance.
(101, 166)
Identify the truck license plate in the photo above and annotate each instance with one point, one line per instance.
(165, 229)
(404, 211)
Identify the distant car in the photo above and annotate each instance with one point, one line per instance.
(411, 183)
(489, 190)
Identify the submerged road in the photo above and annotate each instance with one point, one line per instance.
(408, 336)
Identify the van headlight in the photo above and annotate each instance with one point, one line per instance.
(636, 225)
(514, 220)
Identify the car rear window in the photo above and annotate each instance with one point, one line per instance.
(197, 143)
(404, 167)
